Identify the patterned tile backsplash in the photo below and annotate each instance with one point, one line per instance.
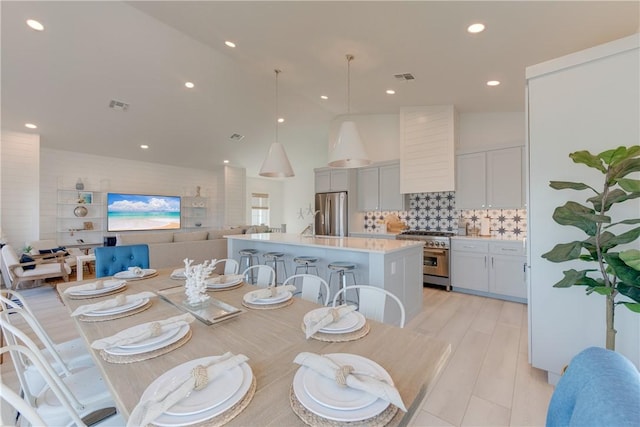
(437, 212)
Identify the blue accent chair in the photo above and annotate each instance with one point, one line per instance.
(599, 388)
(113, 259)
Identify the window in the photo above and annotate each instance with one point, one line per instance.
(259, 209)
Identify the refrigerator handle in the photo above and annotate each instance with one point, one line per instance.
(327, 211)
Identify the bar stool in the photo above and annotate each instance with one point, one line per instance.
(306, 262)
(249, 257)
(274, 258)
(342, 268)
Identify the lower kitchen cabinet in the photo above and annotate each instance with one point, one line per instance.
(489, 268)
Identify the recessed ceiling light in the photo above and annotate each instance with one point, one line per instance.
(391, 92)
(493, 83)
(189, 85)
(324, 97)
(475, 28)
(30, 126)
(35, 25)
(280, 120)
(144, 146)
(230, 43)
(225, 161)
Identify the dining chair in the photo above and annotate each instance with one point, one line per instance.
(372, 301)
(231, 266)
(114, 259)
(68, 402)
(266, 275)
(8, 418)
(313, 288)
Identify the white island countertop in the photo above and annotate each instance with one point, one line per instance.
(357, 244)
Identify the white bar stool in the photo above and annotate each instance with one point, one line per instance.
(306, 262)
(342, 268)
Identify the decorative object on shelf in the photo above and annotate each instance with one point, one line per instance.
(196, 286)
(85, 197)
(276, 164)
(88, 225)
(80, 211)
(79, 184)
(347, 150)
(615, 272)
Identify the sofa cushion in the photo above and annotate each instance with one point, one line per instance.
(219, 234)
(257, 229)
(140, 238)
(27, 258)
(190, 237)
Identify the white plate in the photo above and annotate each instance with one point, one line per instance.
(109, 286)
(280, 297)
(214, 407)
(361, 321)
(117, 351)
(347, 321)
(321, 391)
(178, 274)
(226, 284)
(119, 309)
(129, 275)
(166, 335)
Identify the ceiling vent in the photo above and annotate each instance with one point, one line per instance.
(236, 137)
(118, 105)
(404, 76)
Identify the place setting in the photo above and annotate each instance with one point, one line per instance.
(224, 282)
(114, 308)
(343, 389)
(96, 289)
(136, 273)
(269, 298)
(335, 324)
(145, 341)
(210, 390)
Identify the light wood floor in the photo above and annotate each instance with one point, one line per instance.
(487, 381)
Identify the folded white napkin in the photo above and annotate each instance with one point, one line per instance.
(136, 271)
(270, 292)
(178, 272)
(147, 411)
(225, 278)
(142, 332)
(111, 303)
(319, 321)
(328, 368)
(92, 286)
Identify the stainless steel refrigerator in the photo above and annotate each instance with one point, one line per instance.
(331, 214)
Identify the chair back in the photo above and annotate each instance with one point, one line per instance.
(20, 406)
(266, 275)
(313, 288)
(114, 259)
(231, 266)
(372, 302)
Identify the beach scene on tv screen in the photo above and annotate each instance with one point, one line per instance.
(127, 212)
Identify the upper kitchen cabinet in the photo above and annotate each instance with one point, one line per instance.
(379, 188)
(330, 180)
(490, 179)
(427, 149)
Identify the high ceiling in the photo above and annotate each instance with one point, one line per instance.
(142, 53)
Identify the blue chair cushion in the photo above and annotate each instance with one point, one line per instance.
(599, 388)
(113, 259)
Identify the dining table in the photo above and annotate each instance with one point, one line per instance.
(270, 338)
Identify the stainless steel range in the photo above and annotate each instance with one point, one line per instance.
(435, 268)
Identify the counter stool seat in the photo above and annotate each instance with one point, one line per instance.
(273, 258)
(341, 269)
(249, 258)
(306, 262)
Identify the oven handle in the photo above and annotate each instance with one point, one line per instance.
(436, 251)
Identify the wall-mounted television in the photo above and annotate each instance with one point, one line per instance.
(127, 212)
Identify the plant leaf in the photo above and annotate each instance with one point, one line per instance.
(578, 278)
(588, 159)
(628, 184)
(631, 258)
(576, 215)
(626, 237)
(564, 252)
(602, 290)
(615, 196)
(562, 185)
(632, 292)
(616, 155)
(635, 307)
(626, 221)
(623, 169)
(621, 270)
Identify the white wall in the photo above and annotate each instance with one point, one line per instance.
(488, 131)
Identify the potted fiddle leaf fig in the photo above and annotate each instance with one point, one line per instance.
(612, 274)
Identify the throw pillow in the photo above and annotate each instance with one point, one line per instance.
(27, 258)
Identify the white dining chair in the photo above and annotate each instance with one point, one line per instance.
(8, 418)
(372, 301)
(314, 288)
(266, 275)
(231, 266)
(61, 402)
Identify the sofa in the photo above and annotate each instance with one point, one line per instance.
(15, 272)
(169, 249)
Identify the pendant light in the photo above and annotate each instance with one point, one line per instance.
(276, 164)
(347, 150)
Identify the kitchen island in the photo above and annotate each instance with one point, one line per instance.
(394, 265)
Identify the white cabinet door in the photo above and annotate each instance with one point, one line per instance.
(507, 276)
(469, 271)
(504, 178)
(368, 189)
(323, 181)
(471, 181)
(339, 180)
(389, 189)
